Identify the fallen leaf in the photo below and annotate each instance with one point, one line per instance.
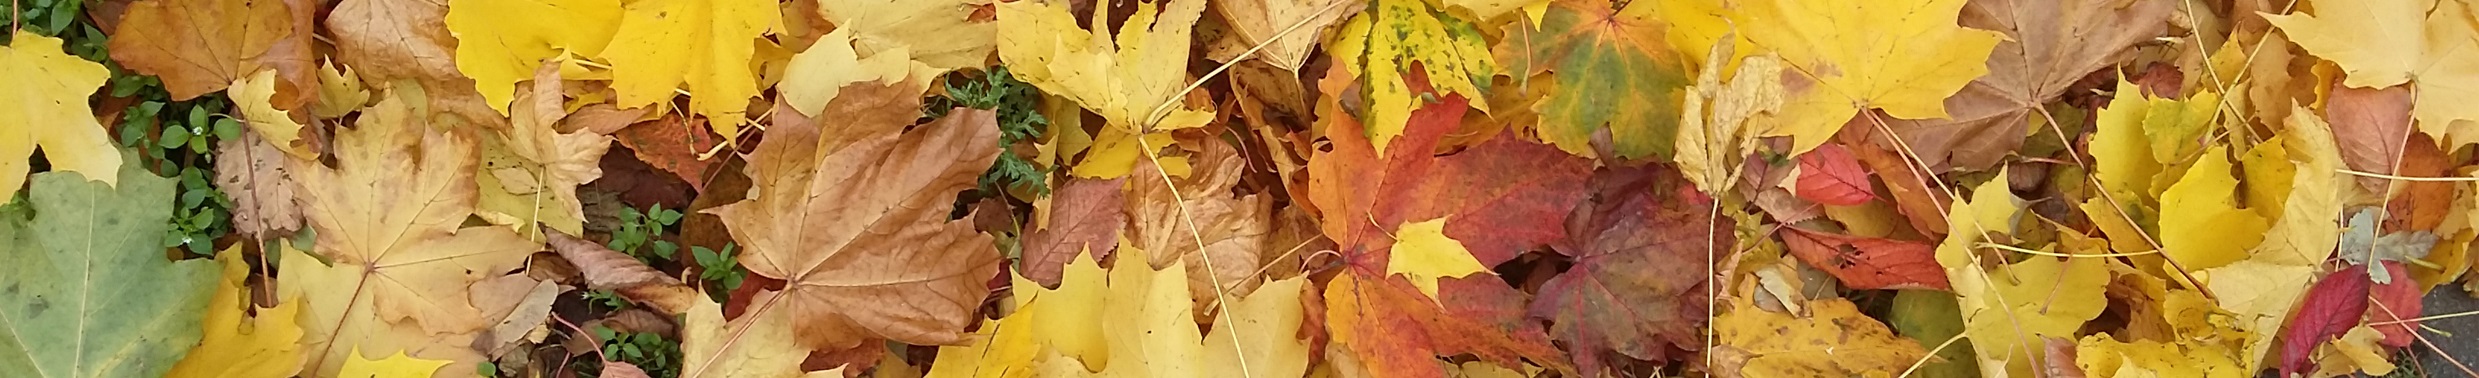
(1126, 82)
(1635, 289)
(1422, 253)
(252, 95)
(1614, 73)
(2263, 289)
(2049, 46)
(1199, 219)
(2332, 307)
(2200, 226)
(68, 242)
(255, 176)
(1869, 263)
(387, 220)
(943, 34)
(499, 43)
(2395, 301)
(237, 345)
(2434, 44)
(677, 145)
(815, 77)
(201, 46)
(1261, 326)
(1085, 217)
(1399, 39)
(1834, 340)
(396, 366)
(1902, 57)
(339, 92)
(856, 227)
(392, 40)
(1266, 21)
(706, 44)
(49, 89)
(2103, 357)
(1714, 145)
(2371, 125)
(1829, 175)
(530, 172)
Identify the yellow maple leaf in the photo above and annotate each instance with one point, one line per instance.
(815, 77)
(240, 346)
(1381, 46)
(2103, 357)
(2429, 43)
(1000, 349)
(500, 42)
(2004, 314)
(707, 44)
(388, 222)
(939, 33)
(1901, 56)
(761, 345)
(252, 95)
(1125, 80)
(2201, 227)
(396, 366)
(1262, 324)
(339, 92)
(2262, 289)
(530, 172)
(1079, 297)
(1423, 252)
(47, 107)
(1834, 340)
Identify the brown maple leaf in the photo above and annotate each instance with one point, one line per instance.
(856, 222)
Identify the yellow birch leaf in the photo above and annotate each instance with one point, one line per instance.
(2201, 226)
(1382, 44)
(1902, 56)
(500, 42)
(240, 346)
(396, 366)
(706, 44)
(1423, 252)
(46, 93)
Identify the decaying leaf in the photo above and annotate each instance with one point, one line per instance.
(1636, 289)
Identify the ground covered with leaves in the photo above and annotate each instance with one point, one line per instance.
(1234, 188)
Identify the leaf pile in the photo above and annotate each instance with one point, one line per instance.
(1251, 188)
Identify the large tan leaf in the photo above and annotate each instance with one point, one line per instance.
(2050, 45)
(388, 218)
(860, 233)
(531, 171)
(941, 33)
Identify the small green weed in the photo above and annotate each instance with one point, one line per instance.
(658, 356)
(721, 272)
(1019, 119)
(641, 234)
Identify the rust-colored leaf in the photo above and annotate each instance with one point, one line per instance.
(1869, 263)
(1636, 290)
(1829, 175)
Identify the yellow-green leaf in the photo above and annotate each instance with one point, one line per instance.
(1381, 46)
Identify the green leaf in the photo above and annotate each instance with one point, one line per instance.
(226, 128)
(86, 299)
(1613, 70)
(173, 137)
